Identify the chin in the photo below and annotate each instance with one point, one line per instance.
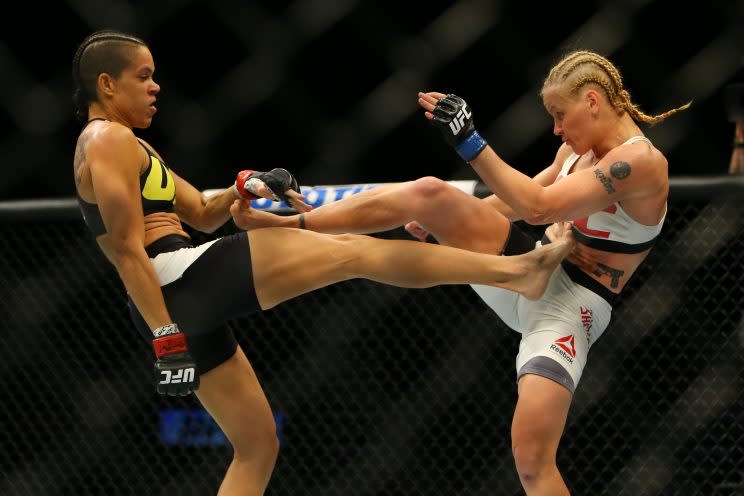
(578, 149)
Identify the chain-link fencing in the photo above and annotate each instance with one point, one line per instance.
(377, 390)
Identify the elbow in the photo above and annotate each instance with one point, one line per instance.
(125, 252)
(539, 212)
(538, 217)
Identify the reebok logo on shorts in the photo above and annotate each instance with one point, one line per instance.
(565, 347)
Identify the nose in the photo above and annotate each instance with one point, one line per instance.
(155, 89)
(557, 129)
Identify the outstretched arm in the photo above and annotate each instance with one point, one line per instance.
(208, 213)
(621, 174)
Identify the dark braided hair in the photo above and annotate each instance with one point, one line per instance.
(106, 51)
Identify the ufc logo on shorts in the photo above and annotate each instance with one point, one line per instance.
(459, 120)
(182, 375)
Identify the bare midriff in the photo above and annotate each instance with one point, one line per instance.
(612, 270)
(161, 224)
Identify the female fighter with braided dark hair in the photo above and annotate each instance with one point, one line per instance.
(181, 295)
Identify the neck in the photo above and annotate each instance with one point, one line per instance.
(618, 133)
(96, 111)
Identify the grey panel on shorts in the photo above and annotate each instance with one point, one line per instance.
(549, 368)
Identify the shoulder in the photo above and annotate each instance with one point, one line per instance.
(113, 146)
(639, 161)
(111, 137)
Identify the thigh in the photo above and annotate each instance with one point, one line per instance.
(216, 287)
(540, 415)
(458, 219)
(289, 262)
(559, 329)
(209, 348)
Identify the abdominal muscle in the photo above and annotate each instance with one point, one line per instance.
(612, 270)
(157, 225)
(161, 224)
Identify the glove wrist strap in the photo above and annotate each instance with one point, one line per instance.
(166, 330)
(471, 146)
(170, 344)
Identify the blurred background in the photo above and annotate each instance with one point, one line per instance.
(327, 88)
(376, 390)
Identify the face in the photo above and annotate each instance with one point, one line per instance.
(135, 90)
(572, 118)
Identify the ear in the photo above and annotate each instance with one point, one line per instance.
(593, 101)
(106, 84)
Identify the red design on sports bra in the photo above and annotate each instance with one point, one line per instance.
(582, 224)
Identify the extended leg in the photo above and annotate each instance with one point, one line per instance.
(450, 215)
(290, 262)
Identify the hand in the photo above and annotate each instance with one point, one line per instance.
(247, 218)
(175, 369)
(454, 119)
(276, 184)
(415, 229)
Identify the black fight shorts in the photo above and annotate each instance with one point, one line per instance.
(211, 285)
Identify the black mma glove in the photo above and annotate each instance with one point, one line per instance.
(277, 180)
(175, 369)
(453, 118)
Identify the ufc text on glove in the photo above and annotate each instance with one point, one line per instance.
(175, 369)
(454, 119)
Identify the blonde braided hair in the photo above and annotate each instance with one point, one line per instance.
(583, 67)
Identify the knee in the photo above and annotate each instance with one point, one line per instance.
(258, 445)
(532, 459)
(427, 189)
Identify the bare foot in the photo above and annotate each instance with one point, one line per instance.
(540, 263)
(248, 218)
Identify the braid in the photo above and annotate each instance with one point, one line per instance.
(108, 57)
(585, 67)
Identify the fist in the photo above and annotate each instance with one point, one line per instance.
(175, 369)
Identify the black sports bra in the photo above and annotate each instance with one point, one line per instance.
(158, 193)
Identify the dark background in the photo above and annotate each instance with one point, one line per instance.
(382, 391)
(328, 89)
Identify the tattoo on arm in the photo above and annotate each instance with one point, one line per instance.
(620, 170)
(615, 274)
(606, 181)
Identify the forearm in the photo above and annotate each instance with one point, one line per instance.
(215, 210)
(519, 192)
(141, 282)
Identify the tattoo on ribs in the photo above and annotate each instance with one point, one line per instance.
(606, 181)
(620, 170)
(615, 274)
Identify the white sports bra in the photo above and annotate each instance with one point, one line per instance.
(612, 229)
